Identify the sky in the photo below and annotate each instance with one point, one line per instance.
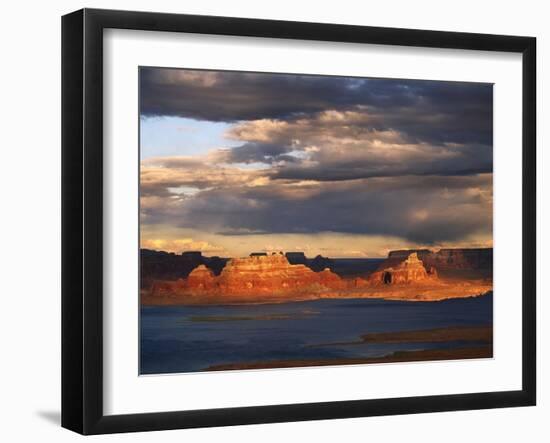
(238, 162)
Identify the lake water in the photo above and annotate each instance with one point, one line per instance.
(192, 338)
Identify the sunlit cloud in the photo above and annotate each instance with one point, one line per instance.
(179, 245)
(328, 165)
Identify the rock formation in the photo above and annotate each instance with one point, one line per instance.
(271, 277)
(411, 270)
(160, 265)
(167, 288)
(296, 258)
(320, 263)
(329, 279)
(264, 274)
(445, 259)
(201, 278)
(481, 258)
(316, 264)
(254, 275)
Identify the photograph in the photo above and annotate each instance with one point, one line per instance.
(291, 220)
(271, 222)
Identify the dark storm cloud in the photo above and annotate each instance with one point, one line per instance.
(466, 160)
(420, 209)
(233, 96)
(424, 110)
(335, 145)
(469, 160)
(404, 158)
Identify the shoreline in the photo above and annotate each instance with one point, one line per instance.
(464, 353)
(193, 300)
(479, 334)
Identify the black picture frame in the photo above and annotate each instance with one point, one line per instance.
(82, 219)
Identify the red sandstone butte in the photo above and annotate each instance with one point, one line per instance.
(201, 278)
(445, 259)
(411, 270)
(254, 275)
(263, 278)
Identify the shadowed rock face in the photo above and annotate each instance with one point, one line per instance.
(316, 264)
(411, 270)
(258, 274)
(159, 265)
(445, 259)
(320, 263)
(296, 258)
(462, 259)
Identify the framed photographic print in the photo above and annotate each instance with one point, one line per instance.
(269, 221)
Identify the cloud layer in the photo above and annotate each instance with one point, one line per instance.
(374, 157)
(461, 111)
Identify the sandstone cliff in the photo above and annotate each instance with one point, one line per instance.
(160, 265)
(411, 270)
(255, 275)
(462, 259)
(271, 278)
(480, 259)
(201, 278)
(316, 264)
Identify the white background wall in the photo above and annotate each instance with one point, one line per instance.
(30, 219)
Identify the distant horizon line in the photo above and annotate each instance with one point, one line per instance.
(281, 252)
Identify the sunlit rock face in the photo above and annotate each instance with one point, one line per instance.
(201, 278)
(257, 274)
(270, 273)
(271, 276)
(167, 288)
(395, 258)
(329, 279)
(359, 282)
(411, 270)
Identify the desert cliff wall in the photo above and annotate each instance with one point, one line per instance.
(409, 271)
(445, 259)
(160, 265)
(258, 274)
(191, 273)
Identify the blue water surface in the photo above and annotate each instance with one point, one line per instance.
(192, 338)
